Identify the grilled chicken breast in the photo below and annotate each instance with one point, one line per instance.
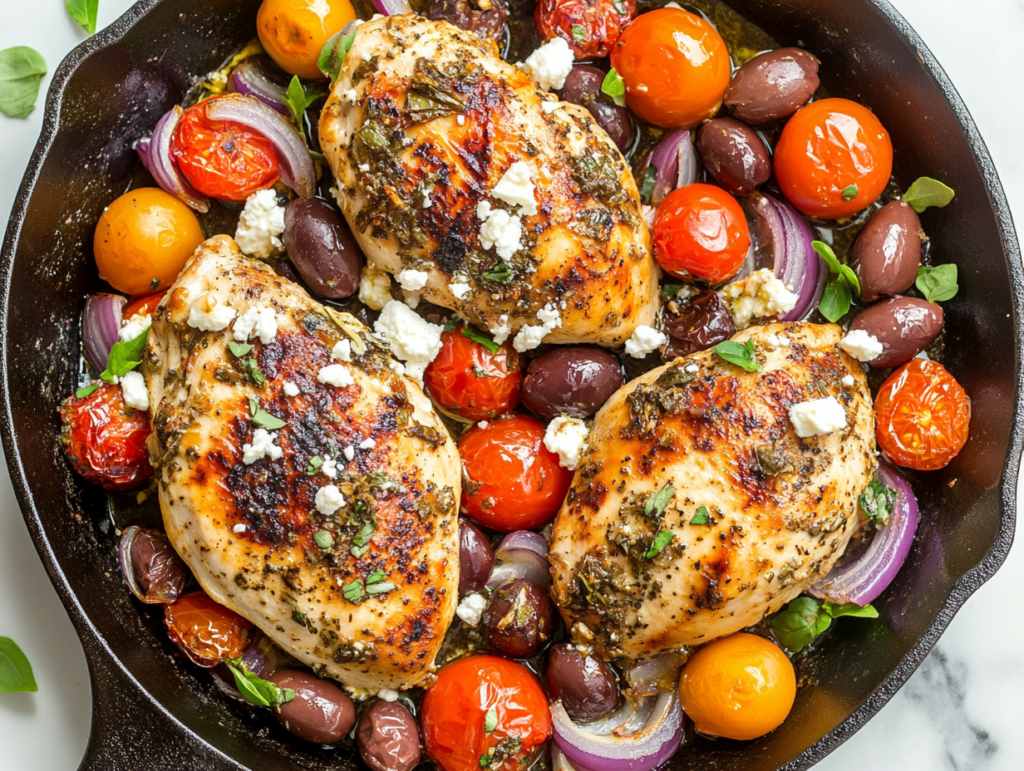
(360, 584)
(420, 128)
(756, 514)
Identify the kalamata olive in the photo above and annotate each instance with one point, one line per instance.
(772, 86)
(321, 248)
(887, 253)
(734, 155)
(519, 619)
(583, 87)
(904, 326)
(702, 323)
(574, 381)
(585, 684)
(388, 737)
(484, 18)
(152, 569)
(320, 712)
(476, 559)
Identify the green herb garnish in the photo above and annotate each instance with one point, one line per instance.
(877, 503)
(323, 539)
(314, 466)
(701, 517)
(479, 337)
(332, 55)
(500, 272)
(353, 592)
(88, 390)
(927, 192)
(15, 670)
(239, 349)
(656, 503)
(661, 540)
(740, 354)
(614, 87)
(650, 179)
(375, 583)
(805, 618)
(838, 294)
(490, 720)
(124, 357)
(937, 283)
(263, 418)
(84, 12)
(21, 73)
(579, 33)
(254, 371)
(254, 689)
(850, 193)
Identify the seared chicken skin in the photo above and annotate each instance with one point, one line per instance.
(360, 584)
(420, 128)
(779, 510)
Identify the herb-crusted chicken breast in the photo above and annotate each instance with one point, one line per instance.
(455, 167)
(755, 514)
(307, 485)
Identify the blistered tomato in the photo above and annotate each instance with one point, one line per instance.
(590, 27)
(294, 32)
(923, 416)
(206, 632)
(834, 158)
(143, 240)
(142, 306)
(471, 381)
(675, 66)
(105, 439)
(740, 687)
(701, 230)
(223, 159)
(478, 693)
(510, 480)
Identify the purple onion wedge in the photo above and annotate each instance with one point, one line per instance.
(155, 153)
(674, 160)
(254, 77)
(101, 322)
(152, 569)
(392, 7)
(522, 554)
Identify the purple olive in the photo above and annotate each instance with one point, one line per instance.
(476, 559)
(772, 86)
(887, 253)
(519, 619)
(585, 684)
(321, 248)
(320, 712)
(700, 324)
(388, 738)
(734, 155)
(904, 326)
(571, 380)
(484, 18)
(583, 87)
(152, 569)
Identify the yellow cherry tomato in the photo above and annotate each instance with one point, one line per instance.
(294, 32)
(740, 687)
(143, 240)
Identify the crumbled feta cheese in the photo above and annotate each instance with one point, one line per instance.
(364, 167)
(259, 321)
(532, 335)
(500, 230)
(783, 340)
(644, 340)
(367, 444)
(329, 499)
(412, 299)
(759, 295)
(549, 107)
(349, 452)
(482, 424)
(459, 290)
(691, 368)
(239, 528)
(427, 202)
(374, 288)
(260, 224)
(387, 694)
(861, 345)
(566, 437)
(461, 120)
(330, 468)
(208, 314)
(471, 608)
(412, 280)
(848, 381)
(501, 331)
(413, 339)
(133, 387)
(262, 446)
(335, 375)
(817, 417)
(550, 64)
(342, 350)
(351, 96)
(290, 389)
(134, 327)
(515, 188)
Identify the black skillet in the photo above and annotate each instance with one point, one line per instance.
(153, 711)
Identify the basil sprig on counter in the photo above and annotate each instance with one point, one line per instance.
(926, 192)
(803, 619)
(740, 354)
(21, 73)
(84, 12)
(254, 689)
(15, 670)
(937, 283)
(843, 284)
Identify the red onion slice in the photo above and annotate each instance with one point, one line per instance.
(297, 169)
(392, 7)
(653, 676)
(522, 554)
(864, 578)
(101, 322)
(253, 77)
(152, 569)
(155, 154)
(675, 162)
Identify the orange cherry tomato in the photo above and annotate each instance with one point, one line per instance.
(223, 159)
(590, 27)
(510, 480)
(923, 416)
(206, 632)
(143, 240)
(456, 706)
(142, 306)
(834, 159)
(468, 380)
(740, 687)
(701, 230)
(675, 66)
(294, 32)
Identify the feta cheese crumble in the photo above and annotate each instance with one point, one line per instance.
(134, 327)
(239, 528)
(471, 608)
(413, 339)
(459, 289)
(259, 321)
(133, 387)
(499, 230)
(262, 447)
(342, 350)
(515, 188)
(550, 64)
(817, 417)
(374, 288)
(549, 107)
(330, 468)
(412, 280)
(208, 314)
(501, 330)
(329, 499)
(335, 375)
(532, 335)
(848, 381)
(260, 224)
(349, 452)
(290, 389)
(367, 444)
(387, 694)
(861, 345)
(759, 295)
(645, 340)
(566, 437)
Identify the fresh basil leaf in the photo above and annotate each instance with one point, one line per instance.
(835, 266)
(254, 371)
(479, 337)
(490, 720)
(314, 466)
(619, 7)
(453, 323)
(124, 357)
(84, 12)
(323, 539)
(362, 538)
(656, 503)
(375, 577)
(835, 300)
(332, 55)
(501, 272)
(850, 193)
(614, 87)
(701, 517)
(299, 99)
(21, 73)
(937, 283)
(740, 354)
(15, 670)
(358, 551)
(579, 33)
(256, 690)
(877, 503)
(650, 179)
(849, 609)
(381, 587)
(239, 349)
(927, 192)
(661, 540)
(263, 418)
(354, 592)
(797, 624)
(668, 291)
(85, 391)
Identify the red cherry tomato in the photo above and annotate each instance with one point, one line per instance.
(834, 158)
(223, 159)
(510, 480)
(590, 27)
(105, 439)
(455, 710)
(701, 230)
(142, 306)
(206, 632)
(467, 379)
(923, 416)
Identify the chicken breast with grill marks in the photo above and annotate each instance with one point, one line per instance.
(430, 135)
(756, 516)
(335, 533)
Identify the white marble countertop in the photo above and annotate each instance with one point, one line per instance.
(961, 711)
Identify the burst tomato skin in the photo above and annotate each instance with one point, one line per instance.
(142, 306)
(223, 159)
(923, 416)
(510, 480)
(206, 632)
(456, 706)
(105, 439)
(467, 379)
(597, 22)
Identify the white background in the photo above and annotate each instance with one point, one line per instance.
(960, 711)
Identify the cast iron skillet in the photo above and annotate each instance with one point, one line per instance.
(153, 711)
